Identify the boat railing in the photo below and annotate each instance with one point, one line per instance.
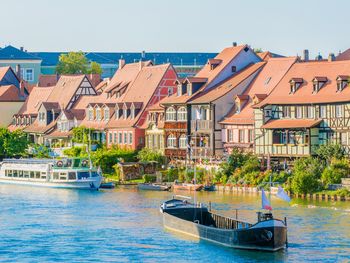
(28, 161)
(228, 223)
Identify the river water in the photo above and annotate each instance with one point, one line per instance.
(124, 224)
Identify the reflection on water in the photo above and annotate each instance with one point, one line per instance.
(41, 224)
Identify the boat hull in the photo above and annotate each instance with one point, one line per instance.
(153, 187)
(268, 237)
(93, 183)
(187, 187)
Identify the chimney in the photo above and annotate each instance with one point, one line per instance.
(234, 44)
(305, 55)
(331, 57)
(18, 71)
(318, 57)
(121, 63)
(21, 48)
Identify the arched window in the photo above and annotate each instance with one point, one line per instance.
(182, 114)
(171, 141)
(98, 113)
(106, 113)
(170, 114)
(182, 141)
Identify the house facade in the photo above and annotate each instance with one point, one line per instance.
(154, 131)
(27, 64)
(238, 124)
(192, 115)
(309, 107)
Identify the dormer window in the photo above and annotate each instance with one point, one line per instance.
(189, 89)
(233, 69)
(295, 84)
(132, 111)
(213, 63)
(342, 82)
(91, 114)
(318, 83)
(98, 114)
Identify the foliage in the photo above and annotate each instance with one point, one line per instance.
(40, 151)
(306, 175)
(148, 155)
(332, 174)
(76, 151)
(13, 143)
(329, 151)
(95, 68)
(149, 178)
(107, 158)
(258, 50)
(81, 134)
(171, 175)
(342, 192)
(76, 63)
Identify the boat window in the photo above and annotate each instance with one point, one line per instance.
(20, 174)
(26, 174)
(43, 175)
(72, 176)
(63, 176)
(15, 173)
(8, 173)
(82, 175)
(37, 175)
(94, 174)
(31, 174)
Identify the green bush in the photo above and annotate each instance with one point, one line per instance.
(149, 155)
(149, 178)
(329, 151)
(76, 151)
(171, 175)
(342, 192)
(332, 174)
(306, 175)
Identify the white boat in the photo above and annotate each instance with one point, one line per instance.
(64, 173)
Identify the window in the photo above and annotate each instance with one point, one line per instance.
(170, 114)
(106, 114)
(171, 141)
(250, 136)
(338, 111)
(98, 114)
(120, 138)
(182, 141)
(91, 114)
(298, 112)
(323, 111)
(310, 112)
(117, 116)
(241, 135)
(170, 91)
(125, 138)
(279, 137)
(182, 114)
(28, 74)
(230, 135)
(115, 137)
(130, 137)
(110, 135)
(132, 113)
(125, 113)
(233, 69)
(286, 111)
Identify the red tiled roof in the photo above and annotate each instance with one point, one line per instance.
(3, 71)
(48, 80)
(263, 84)
(35, 98)
(344, 55)
(9, 93)
(292, 123)
(305, 95)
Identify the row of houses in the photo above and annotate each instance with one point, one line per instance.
(277, 107)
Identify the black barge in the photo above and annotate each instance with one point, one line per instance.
(268, 234)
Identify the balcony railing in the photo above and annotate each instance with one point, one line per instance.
(201, 125)
(201, 152)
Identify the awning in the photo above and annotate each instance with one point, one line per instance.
(290, 124)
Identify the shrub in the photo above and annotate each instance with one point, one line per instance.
(148, 155)
(342, 192)
(306, 175)
(76, 151)
(330, 151)
(333, 173)
(149, 178)
(171, 175)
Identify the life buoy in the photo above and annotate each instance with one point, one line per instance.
(59, 164)
(84, 163)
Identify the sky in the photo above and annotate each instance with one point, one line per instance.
(285, 27)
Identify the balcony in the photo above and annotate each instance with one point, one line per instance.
(201, 152)
(201, 125)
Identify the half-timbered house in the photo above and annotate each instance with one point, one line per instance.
(309, 106)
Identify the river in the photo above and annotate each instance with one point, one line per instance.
(124, 224)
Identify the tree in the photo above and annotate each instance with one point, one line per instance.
(77, 63)
(72, 63)
(306, 175)
(148, 155)
(13, 143)
(95, 68)
(333, 173)
(328, 151)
